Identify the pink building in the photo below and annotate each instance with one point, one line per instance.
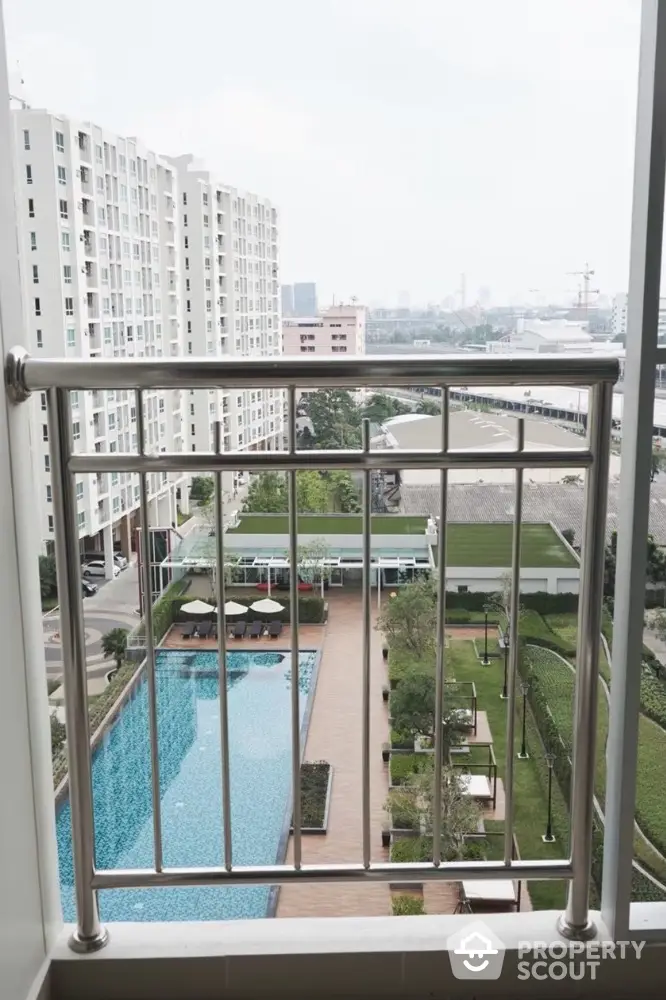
(338, 330)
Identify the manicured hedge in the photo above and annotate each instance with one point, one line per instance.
(408, 850)
(540, 601)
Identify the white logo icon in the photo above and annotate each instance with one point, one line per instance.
(476, 946)
(476, 952)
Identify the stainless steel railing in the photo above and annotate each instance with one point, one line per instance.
(58, 377)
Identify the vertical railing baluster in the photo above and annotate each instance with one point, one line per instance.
(575, 922)
(293, 595)
(441, 637)
(146, 578)
(222, 657)
(89, 934)
(367, 624)
(514, 652)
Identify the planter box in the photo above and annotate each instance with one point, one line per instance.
(327, 805)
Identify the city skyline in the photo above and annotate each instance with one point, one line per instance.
(501, 169)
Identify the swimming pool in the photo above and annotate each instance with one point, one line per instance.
(187, 687)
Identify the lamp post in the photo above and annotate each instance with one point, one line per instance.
(524, 687)
(485, 660)
(504, 695)
(548, 836)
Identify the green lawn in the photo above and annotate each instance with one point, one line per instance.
(530, 802)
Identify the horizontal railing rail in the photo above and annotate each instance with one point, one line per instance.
(59, 377)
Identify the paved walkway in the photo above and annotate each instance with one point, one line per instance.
(335, 736)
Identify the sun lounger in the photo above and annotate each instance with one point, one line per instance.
(187, 631)
(256, 629)
(274, 629)
(204, 629)
(239, 630)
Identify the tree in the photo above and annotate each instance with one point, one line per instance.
(305, 439)
(48, 583)
(428, 406)
(343, 493)
(572, 480)
(266, 494)
(311, 492)
(336, 420)
(202, 489)
(312, 565)
(58, 734)
(459, 813)
(409, 620)
(381, 407)
(656, 564)
(114, 644)
(413, 711)
(657, 464)
(568, 534)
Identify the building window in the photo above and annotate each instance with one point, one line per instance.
(26, 138)
(47, 463)
(50, 522)
(205, 220)
(49, 496)
(76, 430)
(33, 241)
(28, 173)
(40, 338)
(67, 273)
(62, 175)
(187, 242)
(69, 307)
(45, 432)
(184, 220)
(60, 142)
(65, 242)
(79, 491)
(98, 154)
(38, 308)
(31, 208)
(63, 209)
(81, 519)
(35, 274)
(71, 337)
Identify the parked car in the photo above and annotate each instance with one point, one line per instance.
(120, 560)
(88, 588)
(95, 567)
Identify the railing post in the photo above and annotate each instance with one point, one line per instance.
(89, 934)
(575, 921)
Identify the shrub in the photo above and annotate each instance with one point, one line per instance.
(401, 663)
(407, 906)
(408, 850)
(457, 617)
(310, 608)
(401, 741)
(474, 850)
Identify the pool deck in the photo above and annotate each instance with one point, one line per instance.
(309, 637)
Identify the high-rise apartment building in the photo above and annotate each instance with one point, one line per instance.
(337, 330)
(305, 298)
(229, 251)
(99, 245)
(287, 297)
(619, 316)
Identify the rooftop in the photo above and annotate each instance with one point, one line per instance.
(473, 544)
(329, 524)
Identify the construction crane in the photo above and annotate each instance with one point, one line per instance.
(584, 290)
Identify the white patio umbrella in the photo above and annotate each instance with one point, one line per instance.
(267, 606)
(197, 608)
(234, 608)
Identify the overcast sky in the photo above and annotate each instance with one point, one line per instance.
(405, 142)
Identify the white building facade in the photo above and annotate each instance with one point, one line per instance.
(99, 249)
(229, 252)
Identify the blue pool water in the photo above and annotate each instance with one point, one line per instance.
(190, 783)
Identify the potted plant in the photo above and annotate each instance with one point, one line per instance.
(386, 691)
(386, 752)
